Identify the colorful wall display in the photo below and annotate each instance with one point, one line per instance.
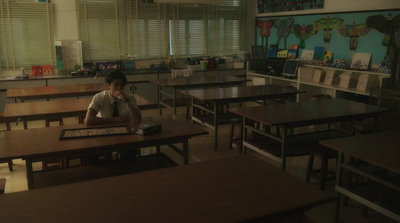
(265, 6)
(341, 33)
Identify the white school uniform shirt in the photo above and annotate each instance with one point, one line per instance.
(103, 104)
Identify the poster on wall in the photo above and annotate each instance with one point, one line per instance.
(341, 36)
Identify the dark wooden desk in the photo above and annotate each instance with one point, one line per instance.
(380, 149)
(191, 83)
(221, 96)
(234, 189)
(55, 91)
(40, 144)
(290, 115)
(54, 109)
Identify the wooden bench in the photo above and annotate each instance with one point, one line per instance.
(88, 172)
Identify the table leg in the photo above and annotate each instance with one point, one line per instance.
(338, 183)
(215, 126)
(25, 123)
(283, 149)
(160, 99)
(185, 151)
(243, 150)
(174, 100)
(375, 121)
(29, 173)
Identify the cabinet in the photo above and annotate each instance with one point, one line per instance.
(139, 84)
(75, 81)
(356, 87)
(69, 54)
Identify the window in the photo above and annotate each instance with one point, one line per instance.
(26, 34)
(228, 18)
(148, 30)
(187, 30)
(136, 29)
(102, 29)
(210, 30)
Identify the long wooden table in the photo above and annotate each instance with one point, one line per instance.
(182, 83)
(55, 91)
(234, 189)
(29, 111)
(41, 144)
(379, 149)
(290, 115)
(202, 98)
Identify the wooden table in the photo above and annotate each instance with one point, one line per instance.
(55, 91)
(234, 189)
(41, 144)
(379, 149)
(290, 115)
(191, 83)
(218, 97)
(54, 109)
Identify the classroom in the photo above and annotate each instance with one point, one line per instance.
(200, 111)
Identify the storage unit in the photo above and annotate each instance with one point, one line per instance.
(357, 86)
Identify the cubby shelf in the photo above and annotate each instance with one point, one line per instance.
(304, 81)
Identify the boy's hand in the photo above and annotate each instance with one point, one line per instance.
(122, 96)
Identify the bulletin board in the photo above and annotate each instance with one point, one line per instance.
(342, 33)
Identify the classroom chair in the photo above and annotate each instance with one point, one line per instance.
(325, 154)
(237, 140)
(8, 128)
(323, 174)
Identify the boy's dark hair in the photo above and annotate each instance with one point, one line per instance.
(116, 75)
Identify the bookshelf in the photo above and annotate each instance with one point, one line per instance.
(358, 86)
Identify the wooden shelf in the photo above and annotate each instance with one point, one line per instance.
(335, 87)
(304, 81)
(294, 80)
(348, 70)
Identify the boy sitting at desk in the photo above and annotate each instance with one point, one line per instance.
(113, 106)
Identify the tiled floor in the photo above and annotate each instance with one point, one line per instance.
(202, 148)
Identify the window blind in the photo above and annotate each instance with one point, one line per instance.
(210, 30)
(102, 29)
(26, 34)
(187, 30)
(156, 30)
(148, 30)
(225, 28)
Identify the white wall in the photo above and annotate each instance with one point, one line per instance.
(65, 24)
(247, 36)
